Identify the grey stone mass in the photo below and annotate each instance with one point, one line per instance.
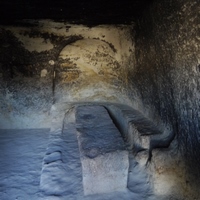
(104, 157)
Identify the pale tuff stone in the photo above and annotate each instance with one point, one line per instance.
(103, 156)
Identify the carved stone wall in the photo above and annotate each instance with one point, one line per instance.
(43, 62)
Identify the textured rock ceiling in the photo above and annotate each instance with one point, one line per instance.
(77, 11)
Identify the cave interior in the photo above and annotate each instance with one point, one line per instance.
(129, 68)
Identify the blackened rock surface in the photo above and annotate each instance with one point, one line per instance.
(79, 12)
(167, 78)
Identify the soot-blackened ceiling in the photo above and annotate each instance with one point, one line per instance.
(75, 11)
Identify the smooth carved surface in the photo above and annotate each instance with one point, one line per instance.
(104, 158)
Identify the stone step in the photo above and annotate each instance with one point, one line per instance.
(104, 157)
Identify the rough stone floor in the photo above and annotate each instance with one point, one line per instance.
(21, 155)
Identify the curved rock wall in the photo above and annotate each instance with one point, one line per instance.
(167, 78)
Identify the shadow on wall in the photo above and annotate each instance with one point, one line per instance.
(167, 78)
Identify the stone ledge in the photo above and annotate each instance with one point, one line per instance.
(135, 128)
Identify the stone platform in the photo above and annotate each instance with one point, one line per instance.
(91, 153)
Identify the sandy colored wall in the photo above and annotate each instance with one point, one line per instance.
(43, 62)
